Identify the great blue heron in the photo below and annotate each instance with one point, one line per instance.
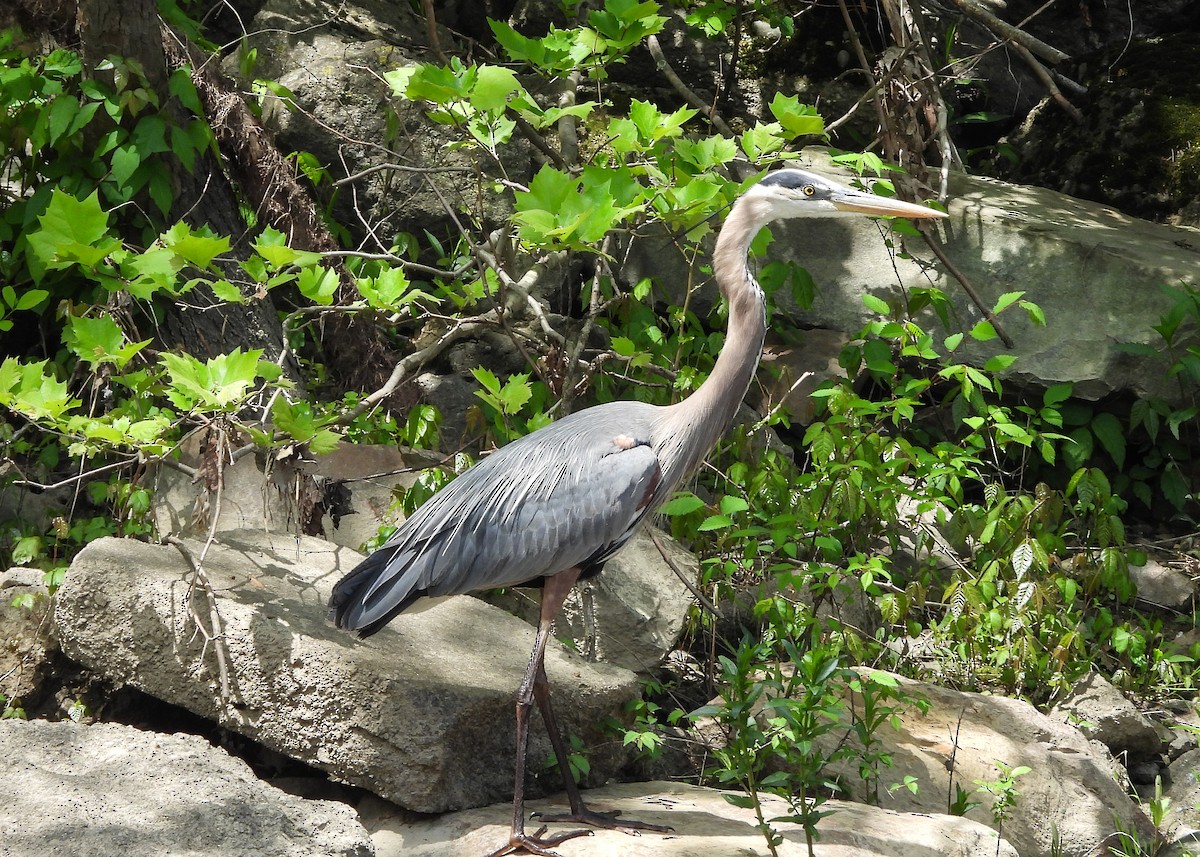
(551, 508)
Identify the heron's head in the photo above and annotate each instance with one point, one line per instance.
(799, 193)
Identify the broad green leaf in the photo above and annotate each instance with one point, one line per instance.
(1056, 394)
(318, 284)
(493, 87)
(398, 79)
(1107, 429)
(983, 331)
(999, 362)
(1006, 300)
(100, 340)
(795, 118)
(72, 231)
(731, 504)
(681, 504)
(150, 272)
(876, 304)
(714, 522)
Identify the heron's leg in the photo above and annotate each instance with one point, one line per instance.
(553, 594)
(579, 813)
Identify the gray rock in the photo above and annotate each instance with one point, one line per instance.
(1103, 713)
(705, 825)
(1182, 786)
(631, 614)
(1071, 787)
(110, 791)
(26, 639)
(422, 713)
(1163, 586)
(1084, 264)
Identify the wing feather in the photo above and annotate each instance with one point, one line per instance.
(567, 495)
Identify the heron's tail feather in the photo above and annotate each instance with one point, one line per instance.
(374, 593)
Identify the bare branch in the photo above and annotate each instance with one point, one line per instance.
(1011, 34)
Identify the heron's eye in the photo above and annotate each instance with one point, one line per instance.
(809, 190)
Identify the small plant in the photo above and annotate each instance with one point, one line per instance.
(1004, 794)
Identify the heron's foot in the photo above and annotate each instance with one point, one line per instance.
(537, 844)
(605, 820)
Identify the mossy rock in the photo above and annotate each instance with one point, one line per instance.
(1138, 146)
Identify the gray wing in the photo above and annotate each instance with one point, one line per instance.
(567, 495)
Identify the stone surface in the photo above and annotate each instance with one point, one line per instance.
(631, 614)
(421, 713)
(26, 641)
(1163, 586)
(1103, 713)
(1183, 788)
(1092, 270)
(112, 791)
(1071, 786)
(705, 825)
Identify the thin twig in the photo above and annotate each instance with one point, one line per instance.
(664, 67)
(938, 250)
(1047, 81)
(1011, 34)
(700, 597)
(400, 168)
(214, 634)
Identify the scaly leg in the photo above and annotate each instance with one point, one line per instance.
(579, 813)
(553, 594)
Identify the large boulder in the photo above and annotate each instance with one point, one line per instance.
(704, 825)
(422, 713)
(110, 791)
(1095, 269)
(631, 614)
(1101, 712)
(1071, 787)
(26, 643)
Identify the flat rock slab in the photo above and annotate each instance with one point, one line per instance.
(421, 713)
(705, 825)
(1071, 790)
(114, 791)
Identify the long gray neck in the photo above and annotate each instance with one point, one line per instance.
(690, 429)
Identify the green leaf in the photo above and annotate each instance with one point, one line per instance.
(194, 248)
(217, 384)
(493, 87)
(876, 304)
(999, 363)
(731, 505)
(714, 522)
(1006, 300)
(683, 503)
(797, 119)
(72, 231)
(318, 284)
(983, 331)
(1109, 432)
(1056, 394)
(63, 110)
(623, 346)
(100, 340)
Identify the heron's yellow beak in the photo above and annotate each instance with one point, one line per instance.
(869, 203)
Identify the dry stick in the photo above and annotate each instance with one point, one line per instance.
(404, 168)
(660, 61)
(1048, 82)
(865, 65)
(435, 44)
(216, 635)
(1012, 34)
(700, 597)
(939, 251)
(406, 367)
(539, 142)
